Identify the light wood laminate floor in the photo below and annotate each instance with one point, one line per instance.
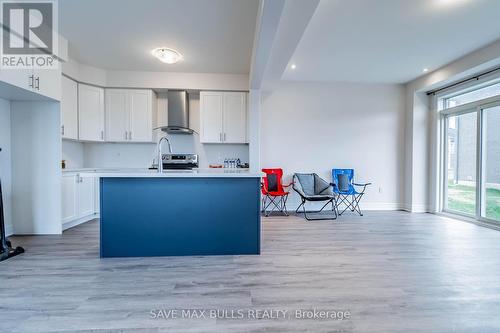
(394, 272)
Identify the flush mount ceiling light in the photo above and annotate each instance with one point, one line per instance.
(425, 70)
(293, 66)
(166, 55)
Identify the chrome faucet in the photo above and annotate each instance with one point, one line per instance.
(160, 159)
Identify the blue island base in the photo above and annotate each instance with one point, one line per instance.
(142, 217)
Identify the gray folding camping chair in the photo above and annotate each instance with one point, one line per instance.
(312, 187)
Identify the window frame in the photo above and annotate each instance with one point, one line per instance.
(444, 114)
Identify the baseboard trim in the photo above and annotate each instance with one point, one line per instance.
(81, 220)
(364, 205)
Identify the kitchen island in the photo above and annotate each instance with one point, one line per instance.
(178, 213)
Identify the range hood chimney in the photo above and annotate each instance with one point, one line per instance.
(178, 113)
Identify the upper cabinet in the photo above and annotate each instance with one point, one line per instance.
(69, 109)
(90, 113)
(129, 115)
(45, 82)
(223, 117)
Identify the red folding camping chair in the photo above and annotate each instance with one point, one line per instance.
(274, 194)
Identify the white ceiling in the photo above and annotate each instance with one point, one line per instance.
(390, 41)
(213, 36)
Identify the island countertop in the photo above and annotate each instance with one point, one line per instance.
(145, 173)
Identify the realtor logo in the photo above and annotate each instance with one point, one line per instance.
(29, 37)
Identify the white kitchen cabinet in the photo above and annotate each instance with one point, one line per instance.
(90, 113)
(235, 117)
(69, 109)
(141, 115)
(85, 196)
(45, 82)
(97, 195)
(223, 117)
(69, 197)
(117, 115)
(129, 115)
(78, 198)
(22, 78)
(48, 82)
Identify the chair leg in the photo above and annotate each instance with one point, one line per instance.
(351, 203)
(277, 204)
(285, 211)
(357, 199)
(302, 204)
(344, 199)
(318, 211)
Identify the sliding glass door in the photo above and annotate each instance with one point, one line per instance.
(490, 171)
(470, 160)
(461, 169)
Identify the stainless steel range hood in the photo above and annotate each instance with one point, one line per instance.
(178, 113)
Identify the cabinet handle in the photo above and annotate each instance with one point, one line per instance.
(30, 83)
(102, 135)
(62, 129)
(126, 135)
(224, 137)
(130, 135)
(37, 85)
(220, 137)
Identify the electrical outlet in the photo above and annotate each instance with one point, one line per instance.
(380, 189)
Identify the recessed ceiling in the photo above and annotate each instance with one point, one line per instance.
(390, 41)
(213, 36)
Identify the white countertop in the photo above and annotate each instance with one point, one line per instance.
(145, 173)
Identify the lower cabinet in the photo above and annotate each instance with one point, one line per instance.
(78, 199)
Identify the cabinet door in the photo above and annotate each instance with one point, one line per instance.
(90, 113)
(69, 109)
(48, 82)
(117, 115)
(211, 104)
(85, 196)
(97, 195)
(69, 198)
(22, 78)
(235, 117)
(141, 116)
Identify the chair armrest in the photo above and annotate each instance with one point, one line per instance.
(288, 184)
(333, 185)
(361, 184)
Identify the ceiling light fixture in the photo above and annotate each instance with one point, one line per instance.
(293, 66)
(166, 55)
(425, 70)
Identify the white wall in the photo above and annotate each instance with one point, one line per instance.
(421, 140)
(154, 80)
(314, 127)
(172, 80)
(5, 163)
(36, 167)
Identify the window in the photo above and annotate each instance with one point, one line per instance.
(491, 163)
(471, 152)
(489, 90)
(461, 163)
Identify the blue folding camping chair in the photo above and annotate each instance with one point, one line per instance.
(345, 187)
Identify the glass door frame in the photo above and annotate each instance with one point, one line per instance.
(477, 107)
(482, 166)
